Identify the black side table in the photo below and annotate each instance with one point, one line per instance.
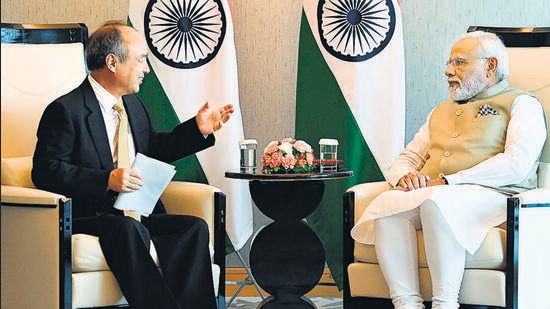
(287, 258)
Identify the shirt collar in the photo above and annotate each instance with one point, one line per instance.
(105, 98)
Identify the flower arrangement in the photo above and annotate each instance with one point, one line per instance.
(288, 156)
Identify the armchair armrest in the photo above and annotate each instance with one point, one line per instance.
(188, 198)
(30, 197)
(535, 198)
(36, 248)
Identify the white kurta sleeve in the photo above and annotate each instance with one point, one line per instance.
(413, 157)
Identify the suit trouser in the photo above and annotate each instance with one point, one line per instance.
(182, 247)
(396, 250)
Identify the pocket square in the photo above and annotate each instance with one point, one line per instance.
(486, 110)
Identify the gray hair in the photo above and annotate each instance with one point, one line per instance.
(492, 46)
(105, 40)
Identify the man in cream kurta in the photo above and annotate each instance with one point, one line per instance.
(484, 140)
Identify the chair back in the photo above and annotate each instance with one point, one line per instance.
(40, 62)
(529, 56)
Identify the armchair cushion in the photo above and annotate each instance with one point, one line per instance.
(17, 172)
(88, 256)
(490, 254)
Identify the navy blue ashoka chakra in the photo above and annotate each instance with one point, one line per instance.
(184, 33)
(355, 30)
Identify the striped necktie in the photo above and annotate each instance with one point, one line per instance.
(121, 145)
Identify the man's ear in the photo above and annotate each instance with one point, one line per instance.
(110, 62)
(492, 64)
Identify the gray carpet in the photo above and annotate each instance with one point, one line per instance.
(320, 302)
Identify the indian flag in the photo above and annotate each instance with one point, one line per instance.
(192, 60)
(351, 87)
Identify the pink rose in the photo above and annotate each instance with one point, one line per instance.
(276, 159)
(302, 146)
(289, 161)
(271, 148)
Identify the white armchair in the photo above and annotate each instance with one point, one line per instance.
(510, 269)
(43, 264)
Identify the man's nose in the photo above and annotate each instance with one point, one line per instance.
(450, 71)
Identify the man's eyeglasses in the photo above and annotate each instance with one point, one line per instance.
(458, 62)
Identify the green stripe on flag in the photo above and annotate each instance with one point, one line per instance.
(322, 112)
(164, 118)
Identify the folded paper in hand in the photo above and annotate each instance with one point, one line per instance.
(156, 176)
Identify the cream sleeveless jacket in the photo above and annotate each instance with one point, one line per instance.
(462, 135)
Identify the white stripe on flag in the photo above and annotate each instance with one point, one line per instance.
(374, 90)
(217, 83)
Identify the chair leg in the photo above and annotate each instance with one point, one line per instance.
(348, 202)
(219, 244)
(512, 253)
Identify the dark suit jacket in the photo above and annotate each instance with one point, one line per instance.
(73, 156)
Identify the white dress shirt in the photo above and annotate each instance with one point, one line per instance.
(110, 117)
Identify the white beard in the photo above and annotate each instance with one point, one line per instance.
(468, 88)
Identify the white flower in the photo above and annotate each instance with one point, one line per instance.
(286, 148)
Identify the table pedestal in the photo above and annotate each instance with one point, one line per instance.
(287, 258)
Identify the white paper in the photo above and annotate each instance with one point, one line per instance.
(156, 176)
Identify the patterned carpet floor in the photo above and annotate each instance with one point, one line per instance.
(320, 302)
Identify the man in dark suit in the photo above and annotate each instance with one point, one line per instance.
(75, 156)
